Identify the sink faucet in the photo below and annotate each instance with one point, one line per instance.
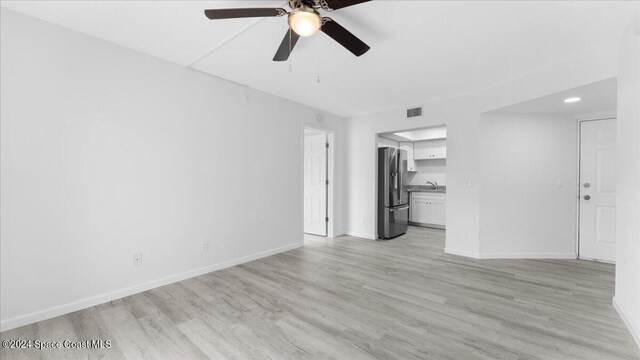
(434, 184)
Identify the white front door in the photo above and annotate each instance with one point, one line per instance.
(597, 231)
(315, 183)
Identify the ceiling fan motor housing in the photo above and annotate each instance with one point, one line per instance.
(297, 4)
(305, 21)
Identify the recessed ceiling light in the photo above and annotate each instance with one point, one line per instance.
(572, 99)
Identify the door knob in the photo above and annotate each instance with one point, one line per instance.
(587, 197)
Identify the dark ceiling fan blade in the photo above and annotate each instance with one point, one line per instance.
(339, 4)
(286, 46)
(215, 14)
(344, 37)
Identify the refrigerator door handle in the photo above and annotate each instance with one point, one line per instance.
(399, 185)
(399, 178)
(399, 208)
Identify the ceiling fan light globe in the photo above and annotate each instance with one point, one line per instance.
(305, 23)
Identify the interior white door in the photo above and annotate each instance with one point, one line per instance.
(315, 184)
(597, 230)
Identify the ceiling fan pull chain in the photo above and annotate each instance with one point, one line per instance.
(290, 49)
(318, 57)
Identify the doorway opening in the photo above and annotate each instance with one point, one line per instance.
(597, 190)
(411, 180)
(316, 182)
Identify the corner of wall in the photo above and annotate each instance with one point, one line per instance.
(469, 254)
(635, 332)
(627, 292)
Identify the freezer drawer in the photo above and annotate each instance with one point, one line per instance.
(393, 221)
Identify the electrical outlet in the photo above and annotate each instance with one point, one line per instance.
(137, 259)
(205, 246)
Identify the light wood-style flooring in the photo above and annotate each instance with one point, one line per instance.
(351, 298)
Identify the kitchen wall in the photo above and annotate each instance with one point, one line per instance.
(462, 116)
(429, 170)
(627, 299)
(426, 170)
(107, 152)
(528, 192)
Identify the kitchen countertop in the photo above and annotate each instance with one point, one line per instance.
(426, 188)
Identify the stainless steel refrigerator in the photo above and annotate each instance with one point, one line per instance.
(393, 198)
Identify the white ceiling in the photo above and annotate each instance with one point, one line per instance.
(420, 50)
(599, 96)
(429, 133)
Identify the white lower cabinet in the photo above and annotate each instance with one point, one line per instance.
(428, 208)
(418, 210)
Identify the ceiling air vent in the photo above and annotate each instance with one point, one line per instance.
(414, 112)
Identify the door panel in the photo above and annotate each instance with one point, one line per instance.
(605, 225)
(402, 174)
(436, 213)
(394, 178)
(440, 149)
(421, 150)
(398, 221)
(315, 186)
(597, 190)
(395, 222)
(419, 211)
(606, 167)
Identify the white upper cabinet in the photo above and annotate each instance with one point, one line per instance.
(430, 149)
(408, 146)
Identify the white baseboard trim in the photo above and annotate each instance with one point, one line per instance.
(514, 256)
(52, 312)
(528, 256)
(633, 329)
(360, 235)
(469, 254)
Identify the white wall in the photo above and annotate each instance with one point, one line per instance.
(462, 117)
(627, 299)
(361, 167)
(528, 193)
(384, 142)
(107, 152)
(429, 170)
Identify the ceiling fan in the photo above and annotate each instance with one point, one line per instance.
(304, 20)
